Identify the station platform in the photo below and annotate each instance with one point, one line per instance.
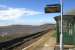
(46, 42)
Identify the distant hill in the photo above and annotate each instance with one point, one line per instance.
(48, 26)
(23, 30)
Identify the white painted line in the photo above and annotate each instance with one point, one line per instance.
(34, 43)
(46, 45)
(31, 45)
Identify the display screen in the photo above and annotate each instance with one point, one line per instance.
(52, 9)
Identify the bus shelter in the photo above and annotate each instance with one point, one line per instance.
(68, 23)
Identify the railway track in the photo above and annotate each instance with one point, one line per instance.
(9, 45)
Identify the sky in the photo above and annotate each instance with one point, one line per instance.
(29, 12)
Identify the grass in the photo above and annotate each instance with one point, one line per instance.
(54, 34)
(5, 38)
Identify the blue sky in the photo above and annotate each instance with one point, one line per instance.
(29, 12)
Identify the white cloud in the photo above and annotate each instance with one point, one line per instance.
(8, 13)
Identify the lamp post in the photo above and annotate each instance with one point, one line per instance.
(61, 34)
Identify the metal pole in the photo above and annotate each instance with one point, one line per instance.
(61, 34)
